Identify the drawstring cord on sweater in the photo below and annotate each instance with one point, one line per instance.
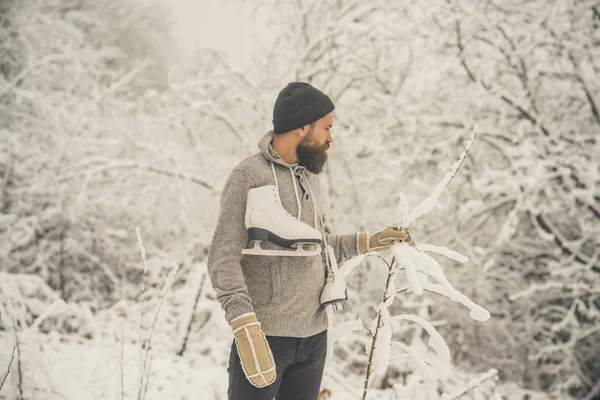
(297, 197)
(321, 229)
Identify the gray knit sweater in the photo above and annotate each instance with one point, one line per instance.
(283, 291)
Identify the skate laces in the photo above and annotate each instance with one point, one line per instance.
(278, 201)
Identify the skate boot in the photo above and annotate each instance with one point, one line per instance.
(335, 291)
(267, 220)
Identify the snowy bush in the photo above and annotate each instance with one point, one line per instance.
(104, 126)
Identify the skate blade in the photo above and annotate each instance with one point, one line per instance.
(339, 307)
(283, 253)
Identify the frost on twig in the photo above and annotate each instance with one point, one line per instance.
(492, 375)
(435, 339)
(335, 333)
(428, 203)
(146, 363)
(420, 267)
(412, 257)
(443, 251)
(145, 344)
(8, 369)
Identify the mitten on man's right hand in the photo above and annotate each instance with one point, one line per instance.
(255, 354)
(382, 240)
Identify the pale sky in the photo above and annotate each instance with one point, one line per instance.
(226, 25)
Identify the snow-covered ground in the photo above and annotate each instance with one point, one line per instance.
(58, 367)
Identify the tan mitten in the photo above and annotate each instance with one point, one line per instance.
(255, 354)
(382, 240)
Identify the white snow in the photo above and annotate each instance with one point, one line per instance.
(404, 259)
(381, 355)
(347, 267)
(416, 262)
(335, 333)
(428, 203)
(402, 210)
(435, 339)
(477, 312)
(444, 251)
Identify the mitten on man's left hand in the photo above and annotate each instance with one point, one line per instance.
(255, 354)
(380, 241)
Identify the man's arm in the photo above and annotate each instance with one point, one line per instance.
(344, 246)
(229, 239)
(227, 279)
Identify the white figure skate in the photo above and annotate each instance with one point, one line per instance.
(335, 291)
(267, 220)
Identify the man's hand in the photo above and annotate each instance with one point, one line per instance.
(382, 240)
(255, 354)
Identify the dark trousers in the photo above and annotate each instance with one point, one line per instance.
(299, 365)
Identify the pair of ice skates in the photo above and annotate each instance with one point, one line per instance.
(267, 220)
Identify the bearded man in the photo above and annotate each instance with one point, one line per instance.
(272, 302)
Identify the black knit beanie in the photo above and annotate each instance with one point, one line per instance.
(299, 104)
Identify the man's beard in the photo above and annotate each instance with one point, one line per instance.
(312, 156)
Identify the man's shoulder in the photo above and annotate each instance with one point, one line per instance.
(256, 160)
(254, 166)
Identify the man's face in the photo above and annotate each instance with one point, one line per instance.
(312, 149)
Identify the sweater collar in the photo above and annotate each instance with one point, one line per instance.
(266, 149)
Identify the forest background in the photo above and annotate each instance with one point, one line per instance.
(107, 123)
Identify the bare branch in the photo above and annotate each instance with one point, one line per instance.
(8, 171)
(192, 317)
(8, 369)
(461, 51)
(547, 227)
(136, 164)
(595, 391)
(585, 88)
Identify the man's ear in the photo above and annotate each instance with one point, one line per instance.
(303, 131)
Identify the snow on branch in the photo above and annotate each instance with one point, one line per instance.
(436, 341)
(427, 205)
(339, 331)
(492, 374)
(419, 267)
(423, 266)
(546, 286)
(477, 312)
(443, 251)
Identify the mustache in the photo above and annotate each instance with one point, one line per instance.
(313, 157)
